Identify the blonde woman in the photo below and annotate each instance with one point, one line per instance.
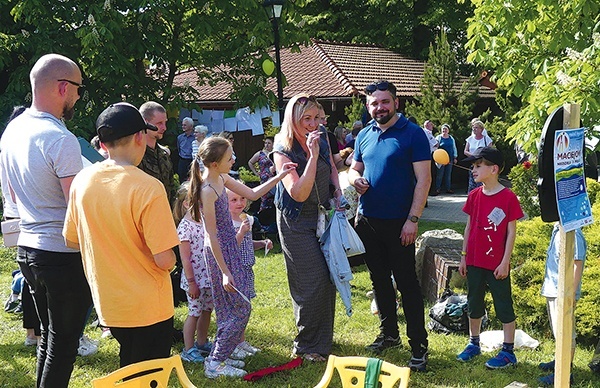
(297, 199)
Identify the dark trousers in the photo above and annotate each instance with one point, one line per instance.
(62, 297)
(30, 317)
(183, 169)
(386, 256)
(144, 343)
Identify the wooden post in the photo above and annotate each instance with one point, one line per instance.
(566, 288)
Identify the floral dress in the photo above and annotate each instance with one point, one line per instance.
(193, 232)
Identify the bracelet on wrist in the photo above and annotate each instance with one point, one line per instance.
(463, 253)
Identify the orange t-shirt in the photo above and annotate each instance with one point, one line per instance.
(120, 217)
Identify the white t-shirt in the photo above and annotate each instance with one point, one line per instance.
(475, 144)
(37, 151)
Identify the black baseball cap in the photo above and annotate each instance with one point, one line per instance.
(490, 154)
(120, 120)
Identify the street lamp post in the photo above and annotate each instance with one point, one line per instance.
(273, 8)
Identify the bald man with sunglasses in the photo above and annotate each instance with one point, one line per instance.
(42, 157)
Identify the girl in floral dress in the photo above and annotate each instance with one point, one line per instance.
(195, 281)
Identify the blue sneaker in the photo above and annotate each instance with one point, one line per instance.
(502, 360)
(549, 380)
(205, 348)
(192, 355)
(469, 353)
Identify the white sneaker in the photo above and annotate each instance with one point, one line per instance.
(235, 363)
(87, 347)
(239, 354)
(214, 369)
(106, 333)
(31, 341)
(245, 346)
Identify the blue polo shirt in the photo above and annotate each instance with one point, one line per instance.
(388, 157)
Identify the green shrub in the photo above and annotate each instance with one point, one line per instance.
(523, 178)
(592, 187)
(247, 176)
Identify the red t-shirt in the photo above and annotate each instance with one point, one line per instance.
(489, 218)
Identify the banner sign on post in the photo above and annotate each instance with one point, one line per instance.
(574, 207)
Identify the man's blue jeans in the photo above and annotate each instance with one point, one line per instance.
(62, 297)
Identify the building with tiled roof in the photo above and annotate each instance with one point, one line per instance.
(333, 72)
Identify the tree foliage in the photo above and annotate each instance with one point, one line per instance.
(130, 50)
(444, 98)
(545, 52)
(405, 26)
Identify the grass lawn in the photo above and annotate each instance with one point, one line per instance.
(272, 329)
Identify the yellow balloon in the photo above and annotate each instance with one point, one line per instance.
(268, 66)
(441, 156)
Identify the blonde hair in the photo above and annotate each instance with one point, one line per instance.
(293, 115)
(478, 124)
(211, 151)
(181, 206)
(339, 134)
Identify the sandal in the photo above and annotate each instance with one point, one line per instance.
(313, 357)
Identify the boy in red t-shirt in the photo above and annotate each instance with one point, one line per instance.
(493, 211)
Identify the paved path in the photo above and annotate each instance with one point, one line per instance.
(446, 208)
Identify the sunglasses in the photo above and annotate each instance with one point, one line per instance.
(381, 85)
(305, 100)
(79, 86)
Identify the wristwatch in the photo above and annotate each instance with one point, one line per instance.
(414, 219)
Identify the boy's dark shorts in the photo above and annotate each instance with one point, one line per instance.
(477, 279)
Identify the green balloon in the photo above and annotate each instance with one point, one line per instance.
(268, 66)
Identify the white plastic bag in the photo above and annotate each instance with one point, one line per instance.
(492, 340)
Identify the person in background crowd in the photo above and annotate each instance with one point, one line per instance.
(157, 158)
(184, 147)
(95, 142)
(340, 135)
(433, 145)
(200, 132)
(334, 149)
(356, 128)
(444, 173)
(266, 170)
(473, 143)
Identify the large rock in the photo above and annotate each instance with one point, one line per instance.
(446, 238)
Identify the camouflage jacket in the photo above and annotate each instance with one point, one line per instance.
(157, 162)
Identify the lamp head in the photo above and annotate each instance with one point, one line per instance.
(273, 8)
